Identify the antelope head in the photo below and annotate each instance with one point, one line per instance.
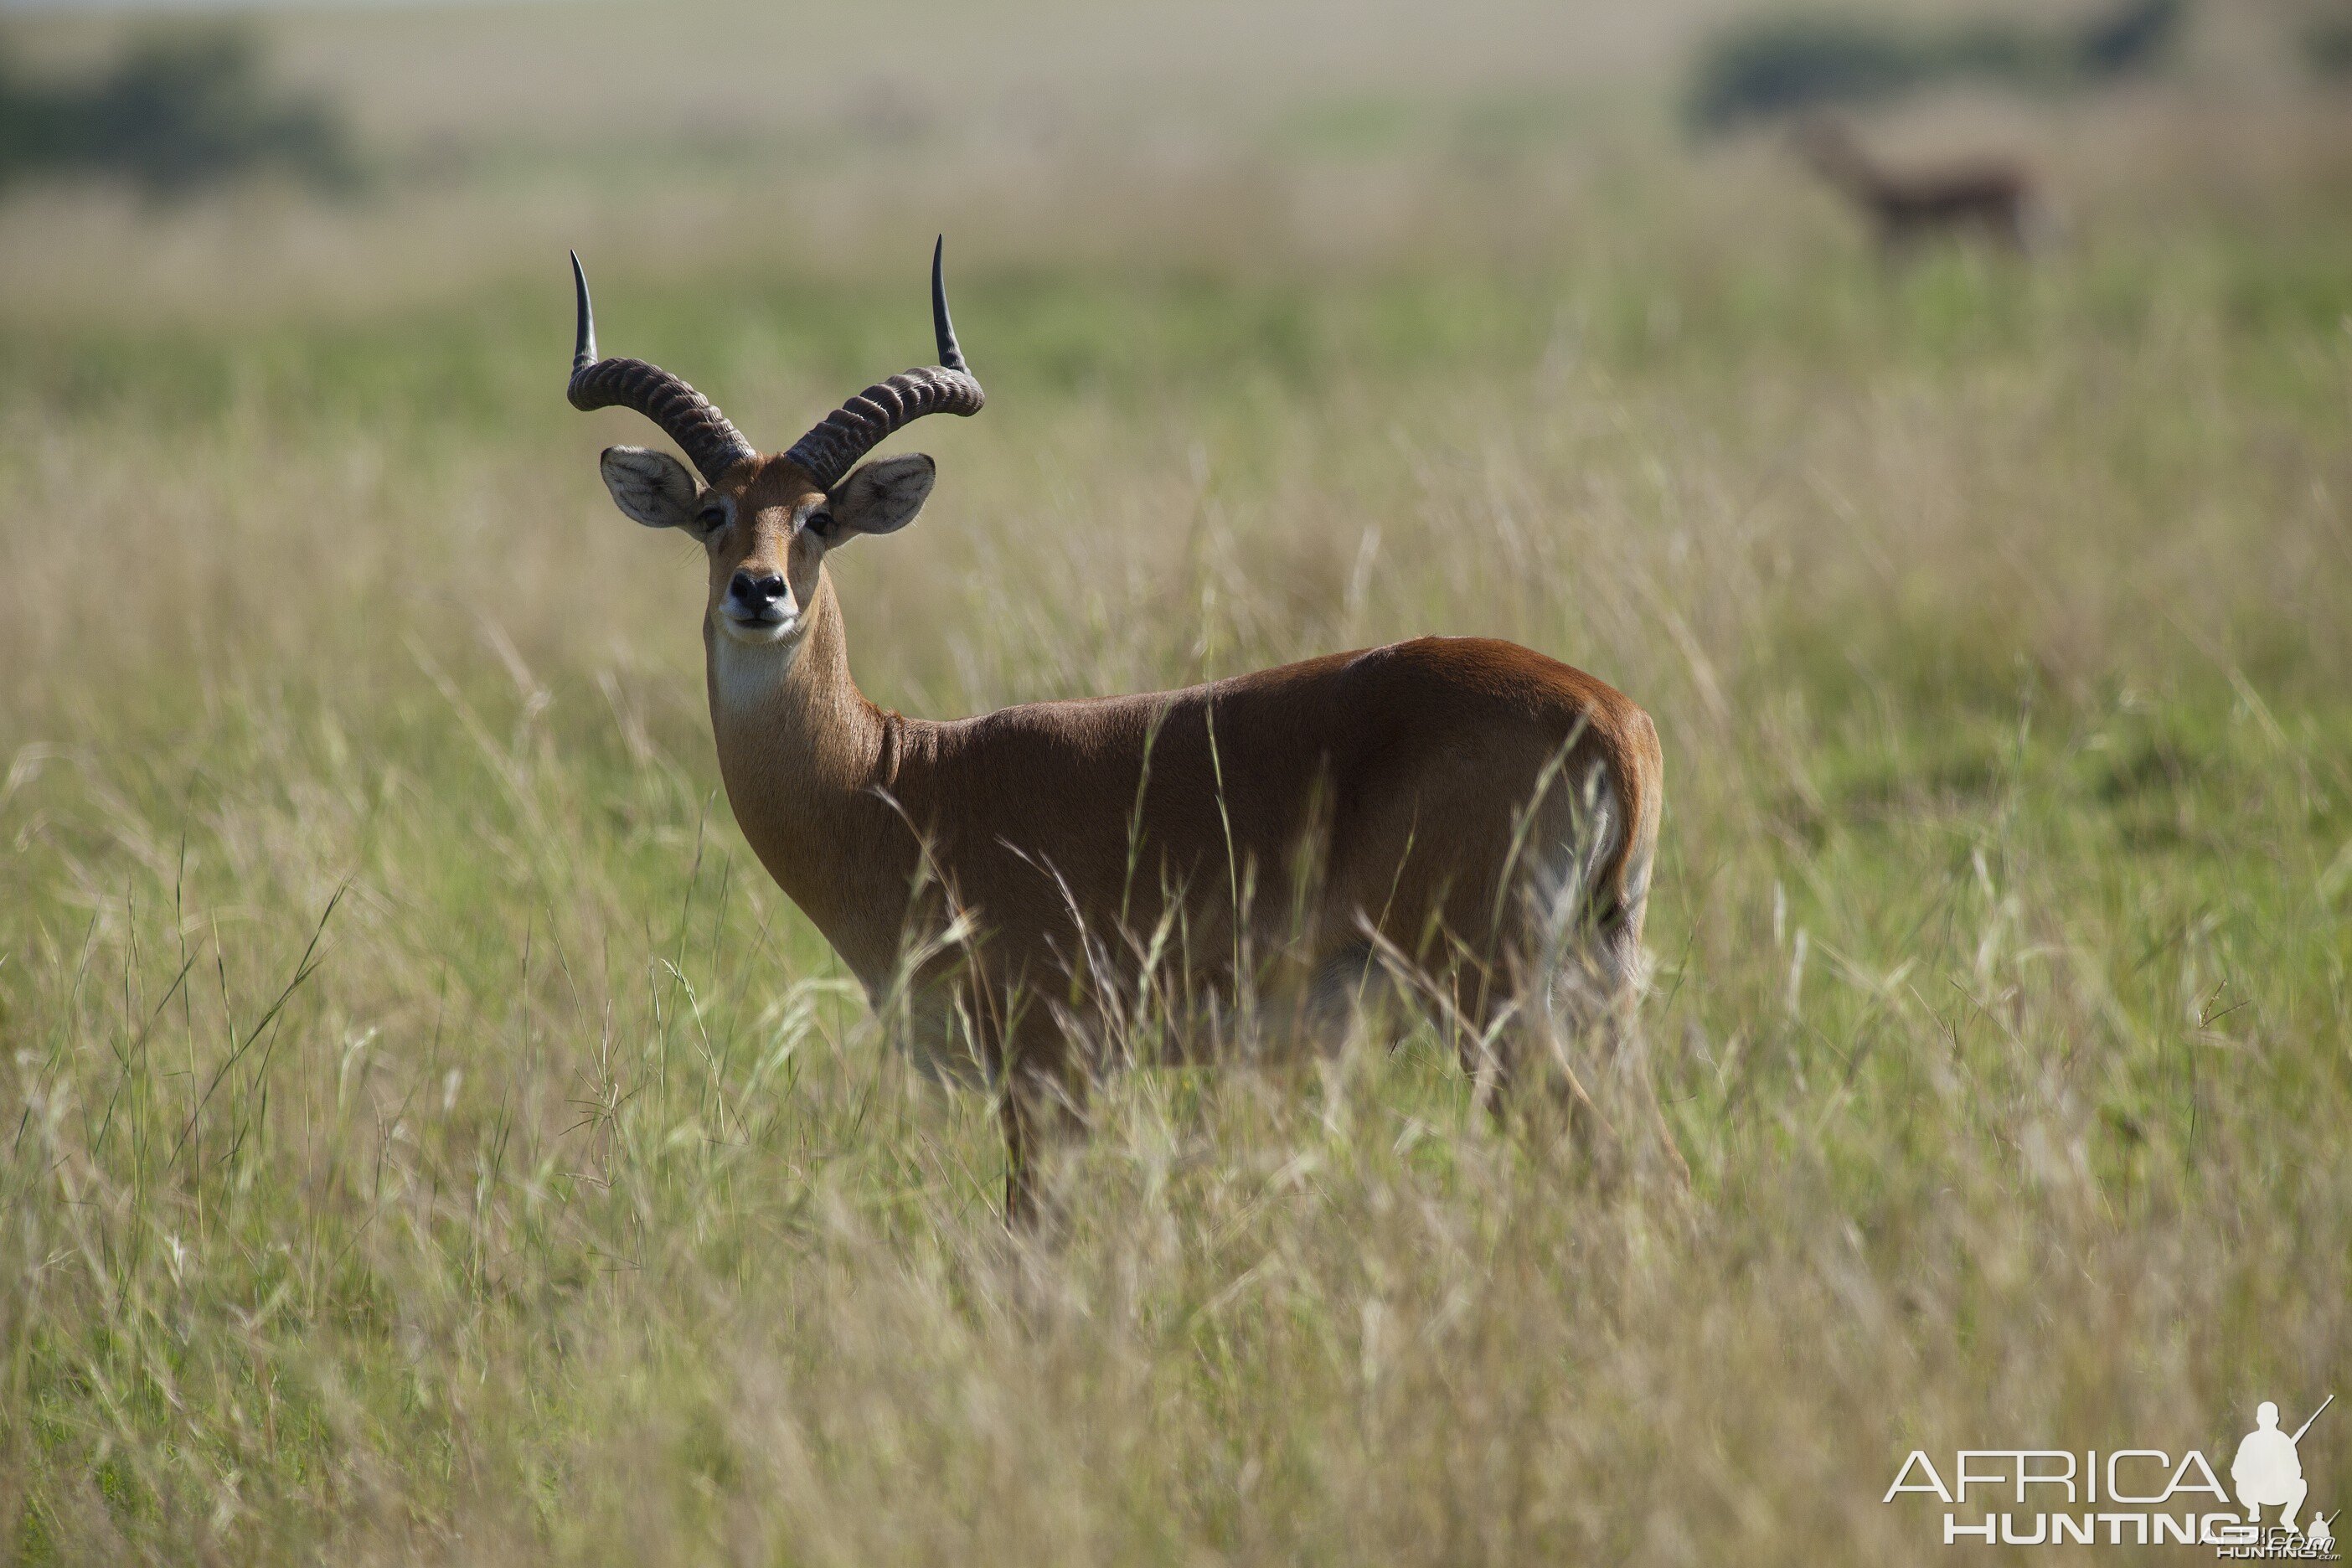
(766, 522)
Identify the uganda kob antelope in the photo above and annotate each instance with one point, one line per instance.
(1990, 199)
(1466, 813)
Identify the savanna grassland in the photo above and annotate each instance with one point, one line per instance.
(429, 1136)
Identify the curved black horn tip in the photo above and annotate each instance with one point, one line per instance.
(951, 356)
(583, 345)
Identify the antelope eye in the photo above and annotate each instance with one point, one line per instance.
(820, 524)
(711, 518)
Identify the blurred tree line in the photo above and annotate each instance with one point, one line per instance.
(1773, 65)
(2327, 45)
(178, 107)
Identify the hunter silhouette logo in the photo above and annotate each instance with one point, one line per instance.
(2133, 1497)
(2268, 1470)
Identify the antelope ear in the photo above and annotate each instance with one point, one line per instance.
(882, 495)
(653, 488)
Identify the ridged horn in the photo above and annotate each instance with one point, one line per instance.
(851, 430)
(684, 416)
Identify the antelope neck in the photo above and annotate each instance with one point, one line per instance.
(810, 767)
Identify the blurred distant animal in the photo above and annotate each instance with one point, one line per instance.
(1454, 807)
(1992, 200)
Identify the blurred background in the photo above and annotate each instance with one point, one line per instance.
(169, 156)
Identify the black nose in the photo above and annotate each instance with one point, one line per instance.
(756, 592)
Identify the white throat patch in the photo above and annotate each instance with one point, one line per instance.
(744, 676)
